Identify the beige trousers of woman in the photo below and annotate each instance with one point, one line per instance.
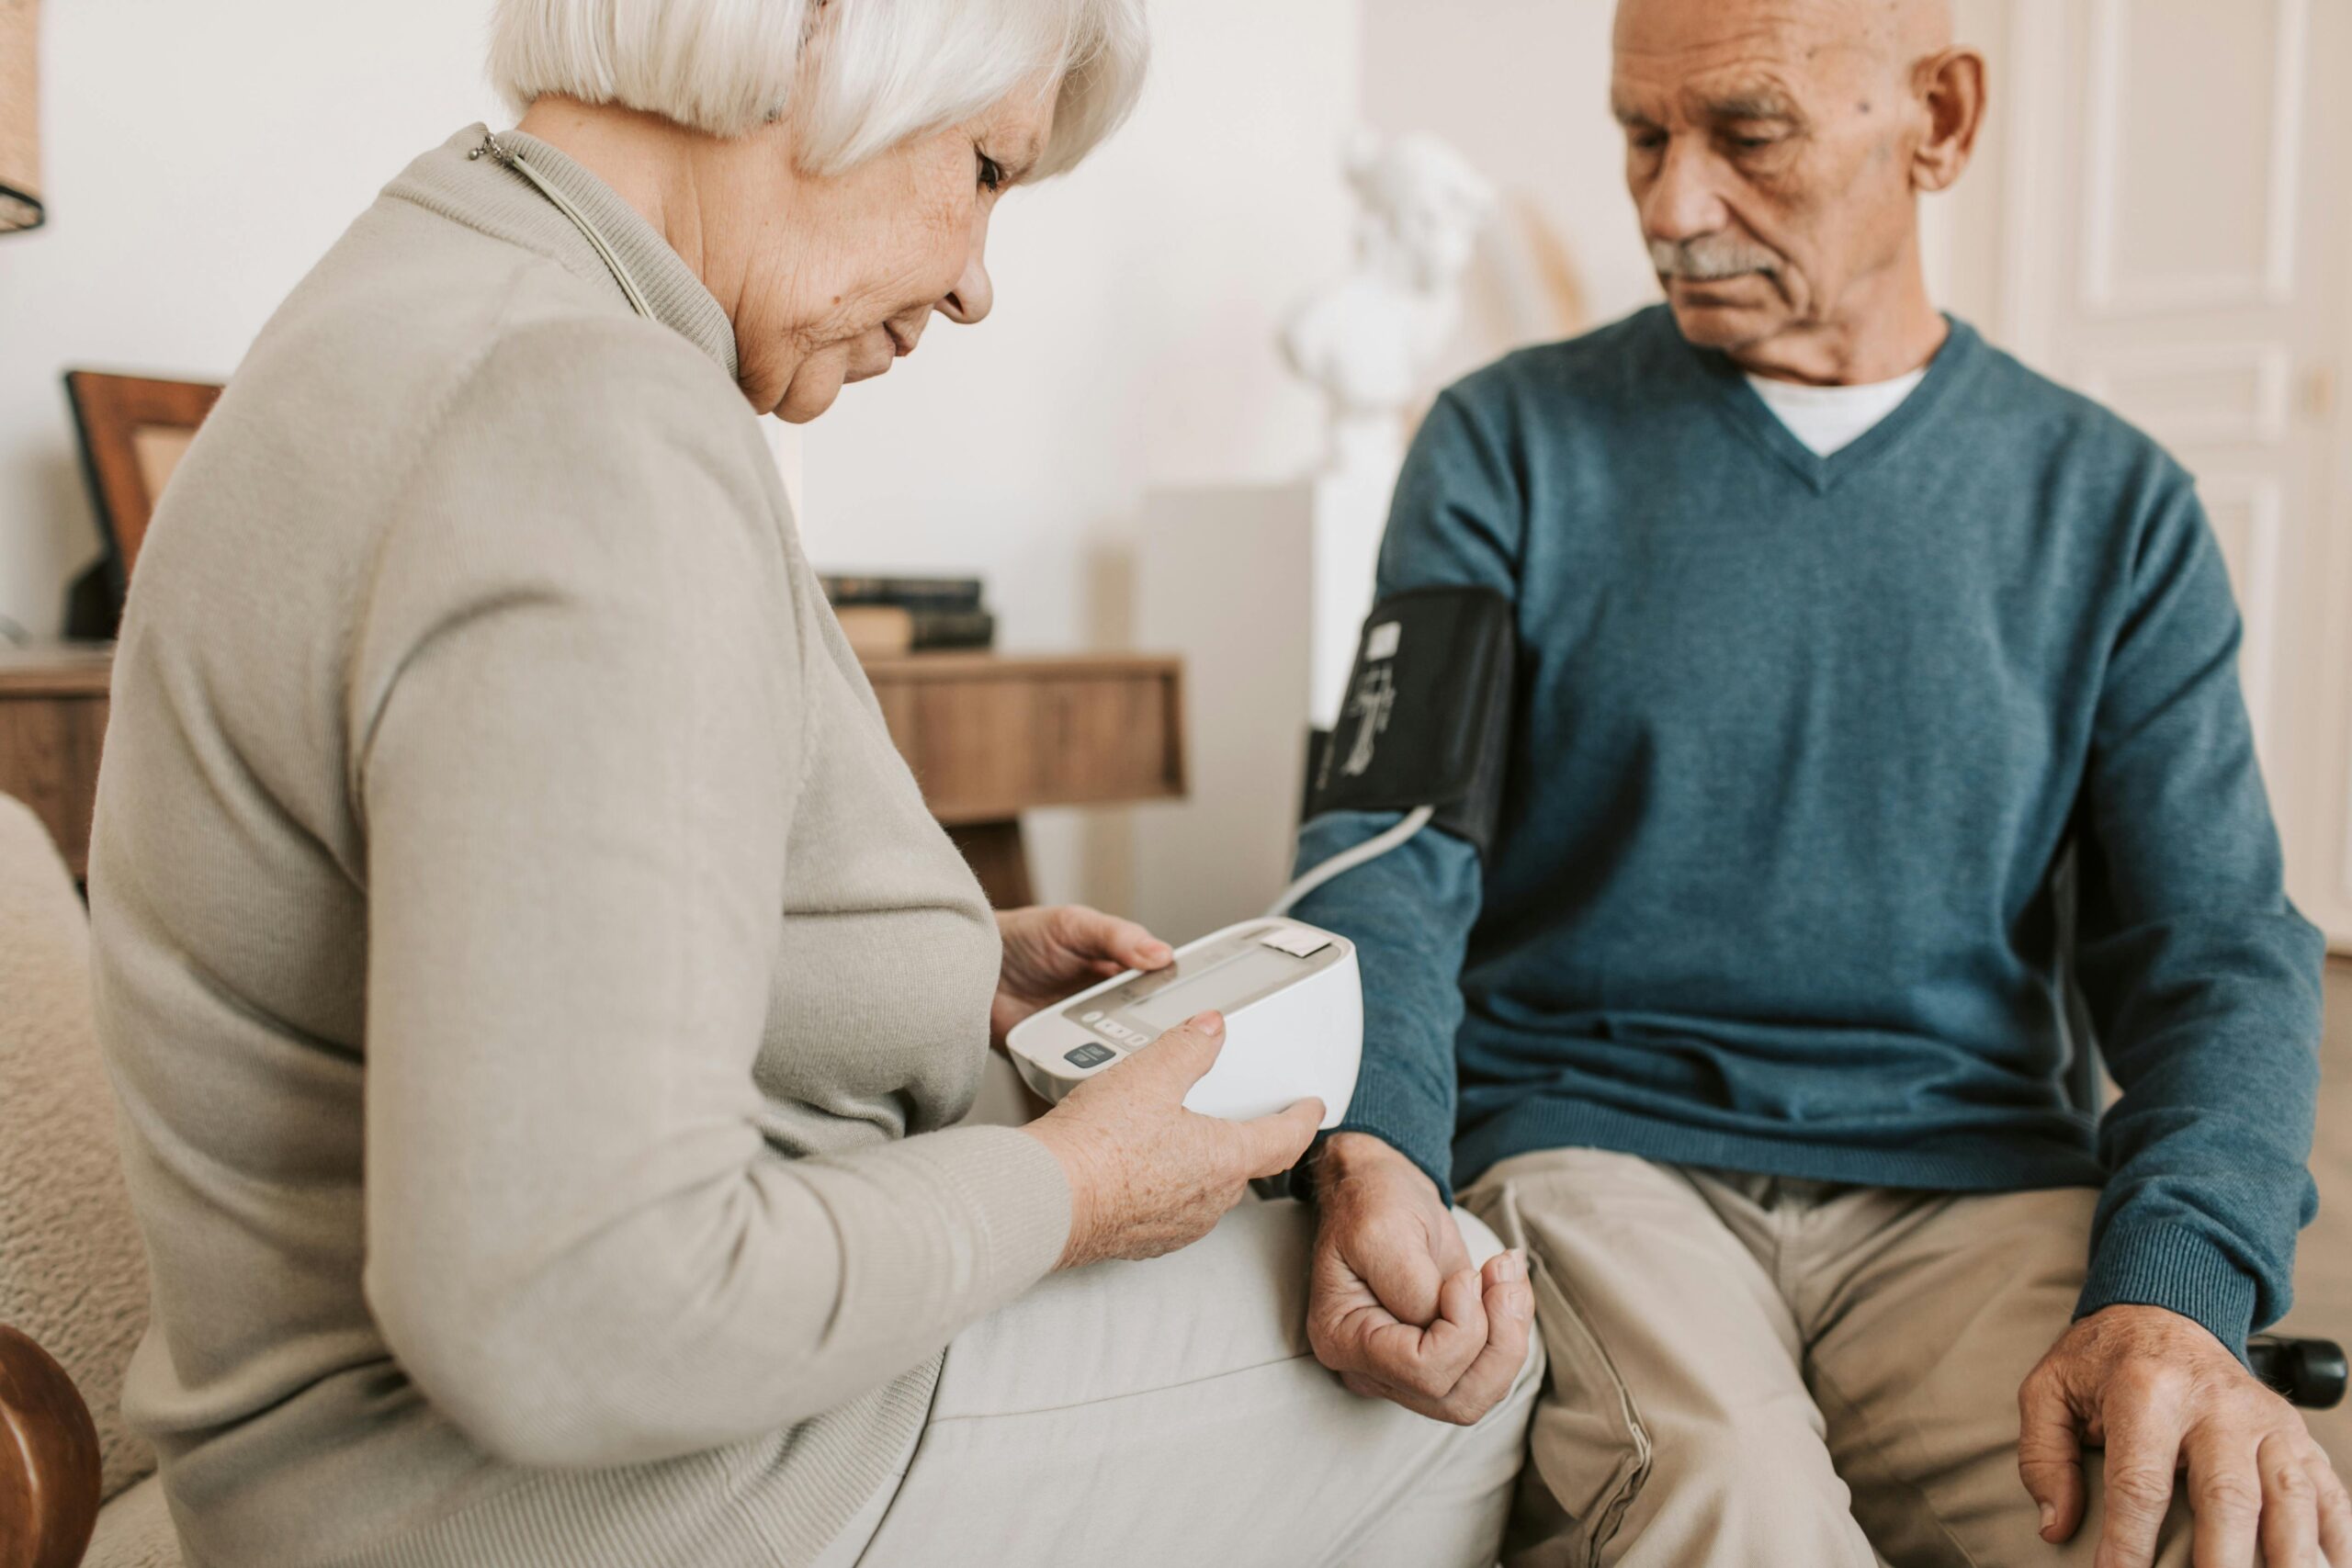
(1169, 1415)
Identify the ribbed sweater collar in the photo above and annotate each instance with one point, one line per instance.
(1954, 361)
(484, 194)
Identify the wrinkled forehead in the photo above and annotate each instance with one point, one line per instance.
(1704, 60)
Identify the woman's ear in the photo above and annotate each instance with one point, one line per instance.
(1951, 86)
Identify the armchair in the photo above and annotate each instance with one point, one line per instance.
(76, 1485)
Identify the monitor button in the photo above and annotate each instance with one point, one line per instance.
(1298, 943)
(1089, 1055)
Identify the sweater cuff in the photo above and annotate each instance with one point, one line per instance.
(1023, 1197)
(1420, 1132)
(2176, 1268)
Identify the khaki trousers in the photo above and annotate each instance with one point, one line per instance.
(1170, 1414)
(1753, 1371)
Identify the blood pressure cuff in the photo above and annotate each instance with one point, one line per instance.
(1427, 716)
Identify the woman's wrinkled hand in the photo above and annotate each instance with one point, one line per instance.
(1053, 954)
(1147, 1175)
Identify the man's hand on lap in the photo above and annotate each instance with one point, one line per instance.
(1395, 1305)
(2162, 1396)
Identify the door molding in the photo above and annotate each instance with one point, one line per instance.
(2105, 293)
(2248, 386)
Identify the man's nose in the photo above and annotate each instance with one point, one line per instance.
(1681, 203)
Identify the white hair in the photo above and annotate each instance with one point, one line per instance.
(856, 77)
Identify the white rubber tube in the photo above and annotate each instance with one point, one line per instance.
(1348, 860)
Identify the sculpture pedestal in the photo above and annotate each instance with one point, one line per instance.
(1264, 590)
(1348, 513)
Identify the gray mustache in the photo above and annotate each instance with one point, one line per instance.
(1710, 257)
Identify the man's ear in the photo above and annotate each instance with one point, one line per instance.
(1950, 84)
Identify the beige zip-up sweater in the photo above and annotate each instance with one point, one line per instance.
(535, 989)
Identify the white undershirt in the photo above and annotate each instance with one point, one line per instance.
(1826, 418)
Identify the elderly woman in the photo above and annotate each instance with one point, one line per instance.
(539, 999)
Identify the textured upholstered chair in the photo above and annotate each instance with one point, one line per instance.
(72, 1277)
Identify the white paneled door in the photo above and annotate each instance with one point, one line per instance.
(2174, 196)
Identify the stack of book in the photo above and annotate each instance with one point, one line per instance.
(887, 615)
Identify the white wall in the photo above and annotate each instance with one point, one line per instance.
(1521, 88)
(1132, 342)
(198, 159)
(1132, 345)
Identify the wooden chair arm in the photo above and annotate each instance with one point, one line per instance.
(49, 1461)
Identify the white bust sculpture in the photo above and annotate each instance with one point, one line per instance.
(1368, 340)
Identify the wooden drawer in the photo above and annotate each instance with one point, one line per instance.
(990, 736)
(53, 722)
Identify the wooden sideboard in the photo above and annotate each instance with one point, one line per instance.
(989, 737)
(53, 720)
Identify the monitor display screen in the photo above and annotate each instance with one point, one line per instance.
(1240, 978)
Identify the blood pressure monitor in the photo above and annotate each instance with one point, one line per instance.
(1427, 733)
(1294, 1022)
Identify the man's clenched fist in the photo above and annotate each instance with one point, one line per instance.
(1394, 1307)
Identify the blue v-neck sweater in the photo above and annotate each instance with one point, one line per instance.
(1798, 743)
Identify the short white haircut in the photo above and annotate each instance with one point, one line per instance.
(857, 77)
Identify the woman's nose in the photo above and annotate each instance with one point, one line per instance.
(972, 297)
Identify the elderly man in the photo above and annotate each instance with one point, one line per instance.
(1841, 629)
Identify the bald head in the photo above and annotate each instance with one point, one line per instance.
(1891, 34)
(1777, 149)
(1914, 30)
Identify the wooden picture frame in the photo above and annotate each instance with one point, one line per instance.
(134, 430)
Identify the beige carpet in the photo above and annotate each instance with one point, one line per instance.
(2324, 1263)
